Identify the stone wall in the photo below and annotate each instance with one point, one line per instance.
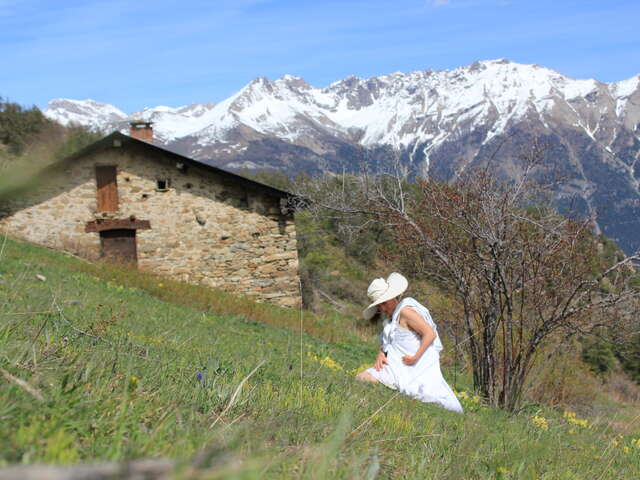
(204, 228)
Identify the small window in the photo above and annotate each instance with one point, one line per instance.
(163, 184)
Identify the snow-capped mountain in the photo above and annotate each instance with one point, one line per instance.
(84, 112)
(439, 122)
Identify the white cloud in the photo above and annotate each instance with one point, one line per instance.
(439, 3)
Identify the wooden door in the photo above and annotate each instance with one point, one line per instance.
(107, 189)
(119, 245)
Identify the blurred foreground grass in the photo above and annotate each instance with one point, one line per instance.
(100, 363)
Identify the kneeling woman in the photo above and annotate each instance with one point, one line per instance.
(409, 360)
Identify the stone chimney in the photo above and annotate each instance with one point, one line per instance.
(142, 130)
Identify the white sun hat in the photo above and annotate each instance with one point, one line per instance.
(381, 290)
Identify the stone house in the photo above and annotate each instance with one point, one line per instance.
(125, 199)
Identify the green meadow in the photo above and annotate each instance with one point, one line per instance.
(103, 364)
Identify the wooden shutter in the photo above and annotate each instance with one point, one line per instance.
(107, 189)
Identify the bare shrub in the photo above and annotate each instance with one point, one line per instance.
(522, 272)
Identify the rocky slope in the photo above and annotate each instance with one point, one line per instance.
(437, 123)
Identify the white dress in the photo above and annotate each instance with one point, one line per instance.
(423, 380)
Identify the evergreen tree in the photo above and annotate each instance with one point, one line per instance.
(19, 125)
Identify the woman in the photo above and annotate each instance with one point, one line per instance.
(409, 359)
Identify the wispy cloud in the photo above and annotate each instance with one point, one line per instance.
(439, 3)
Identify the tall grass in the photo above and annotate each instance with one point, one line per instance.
(116, 366)
(332, 327)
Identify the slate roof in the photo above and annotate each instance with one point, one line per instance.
(108, 143)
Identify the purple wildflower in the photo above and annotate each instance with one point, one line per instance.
(199, 376)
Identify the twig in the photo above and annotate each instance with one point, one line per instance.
(301, 327)
(77, 257)
(30, 313)
(242, 415)
(4, 243)
(334, 302)
(409, 436)
(73, 327)
(152, 468)
(371, 417)
(44, 323)
(237, 391)
(21, 383)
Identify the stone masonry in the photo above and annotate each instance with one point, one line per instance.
(205, 228)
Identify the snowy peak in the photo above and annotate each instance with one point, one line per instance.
(83, 112)
(396, 109)
(625, 88)
(172, 123)
(294, 83)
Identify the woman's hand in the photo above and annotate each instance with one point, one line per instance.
(410, 359)
(381, 361)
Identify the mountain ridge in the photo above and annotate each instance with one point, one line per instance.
(437, 123)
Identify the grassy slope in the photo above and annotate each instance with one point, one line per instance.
(117, 368)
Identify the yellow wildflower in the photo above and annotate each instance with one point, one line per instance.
(463, 394)
(615, 443)
(502, 470)
(572, 431)
(133, 383)
(581, 422)
(326, 361)
(571, 418)
(626, 449)
(330, 363)
(540, 422)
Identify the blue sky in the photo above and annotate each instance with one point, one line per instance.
(134, 54)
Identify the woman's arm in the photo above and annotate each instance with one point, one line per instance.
(414, 321)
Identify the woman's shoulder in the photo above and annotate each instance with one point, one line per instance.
(411, 305)
(410, 302)
(407, 300)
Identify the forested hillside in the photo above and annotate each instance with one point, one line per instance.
(27, 135)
